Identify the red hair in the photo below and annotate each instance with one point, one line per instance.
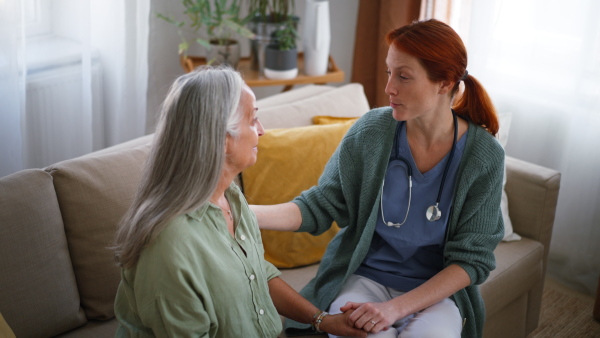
(444, 56)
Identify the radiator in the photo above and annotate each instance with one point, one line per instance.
(56, 126)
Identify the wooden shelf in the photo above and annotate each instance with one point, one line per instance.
(254, 79)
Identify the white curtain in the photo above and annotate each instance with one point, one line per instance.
(540, 60)
(12, 86)
(73, 78)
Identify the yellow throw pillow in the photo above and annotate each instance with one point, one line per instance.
(324, 119)
(289, 162)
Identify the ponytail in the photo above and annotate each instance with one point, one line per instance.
(444, 56)
(476, 105)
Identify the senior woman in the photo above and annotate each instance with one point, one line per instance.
(189, 247)
(416, 187)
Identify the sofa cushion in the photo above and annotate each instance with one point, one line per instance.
(519, 267)
(290, 161)
(293, 95)
(136, 142)
(93, 329)
(38, 292)
(5, 330)
(348, 100)
(93, 194)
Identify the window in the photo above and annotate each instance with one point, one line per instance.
(37, 17)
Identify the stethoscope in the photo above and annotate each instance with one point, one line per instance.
(433, 213)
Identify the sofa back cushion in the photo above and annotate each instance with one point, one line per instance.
(300, 93)
(299, 109)
(38, 292)
(93, 193)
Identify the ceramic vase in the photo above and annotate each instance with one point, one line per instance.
(316, 37)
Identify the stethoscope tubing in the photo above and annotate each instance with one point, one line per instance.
(433, 213)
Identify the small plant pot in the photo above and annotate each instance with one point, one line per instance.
(263, 30)
(228, 53)
(281, 64)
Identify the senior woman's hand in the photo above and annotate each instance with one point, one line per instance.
(339, 325)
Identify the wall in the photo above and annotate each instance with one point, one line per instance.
(164, 64)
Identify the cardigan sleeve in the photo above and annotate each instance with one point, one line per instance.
(479, 225)
(350, 183)
(324, 202)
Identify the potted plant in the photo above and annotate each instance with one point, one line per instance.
(221, 21)
(267, 16)
(281, 55)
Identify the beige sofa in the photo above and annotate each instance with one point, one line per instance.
(57, 277)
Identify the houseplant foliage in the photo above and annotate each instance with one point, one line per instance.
(267, 16)
(272, 10)
(285, 37)
(281, 55)
(221, 20)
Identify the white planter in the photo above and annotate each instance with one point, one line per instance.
(281, 64)
(316, 37)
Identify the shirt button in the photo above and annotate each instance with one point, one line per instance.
(243, 237)
(251, 277)
(261, 311)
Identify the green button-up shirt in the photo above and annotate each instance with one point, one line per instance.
(194, 279)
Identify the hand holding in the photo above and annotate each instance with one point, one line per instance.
(371, 317)
(339, 325)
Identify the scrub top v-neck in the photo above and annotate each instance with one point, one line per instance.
(405, 257)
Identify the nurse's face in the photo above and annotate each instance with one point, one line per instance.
(412, 94)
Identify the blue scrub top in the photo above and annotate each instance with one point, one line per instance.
(406, 257)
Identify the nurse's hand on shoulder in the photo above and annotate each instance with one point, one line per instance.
(371, 317)
(339, 325)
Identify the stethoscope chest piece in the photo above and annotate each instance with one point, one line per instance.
(433, 213)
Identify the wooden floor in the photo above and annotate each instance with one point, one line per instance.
(566, 313)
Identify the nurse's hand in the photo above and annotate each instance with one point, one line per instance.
(371, 317)
(339, 325)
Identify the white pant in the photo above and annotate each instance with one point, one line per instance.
(439, 320)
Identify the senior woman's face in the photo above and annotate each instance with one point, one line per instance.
(242, 150)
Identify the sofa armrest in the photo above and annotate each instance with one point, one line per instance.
(532, 192)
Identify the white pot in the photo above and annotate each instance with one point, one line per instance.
(281, 64)
(316, 37)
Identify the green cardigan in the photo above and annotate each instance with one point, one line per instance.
(349, 190)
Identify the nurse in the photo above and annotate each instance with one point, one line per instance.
(416, 188)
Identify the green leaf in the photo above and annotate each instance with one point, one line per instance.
(203, 42)
(243, 31)
(183, 47)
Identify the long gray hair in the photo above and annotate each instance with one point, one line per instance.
(187, 156)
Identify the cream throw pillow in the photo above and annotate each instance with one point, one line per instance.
(504, 120)
(348, 100)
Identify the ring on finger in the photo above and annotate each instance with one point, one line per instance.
(373, 322)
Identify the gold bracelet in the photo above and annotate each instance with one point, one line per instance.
(317, 319)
